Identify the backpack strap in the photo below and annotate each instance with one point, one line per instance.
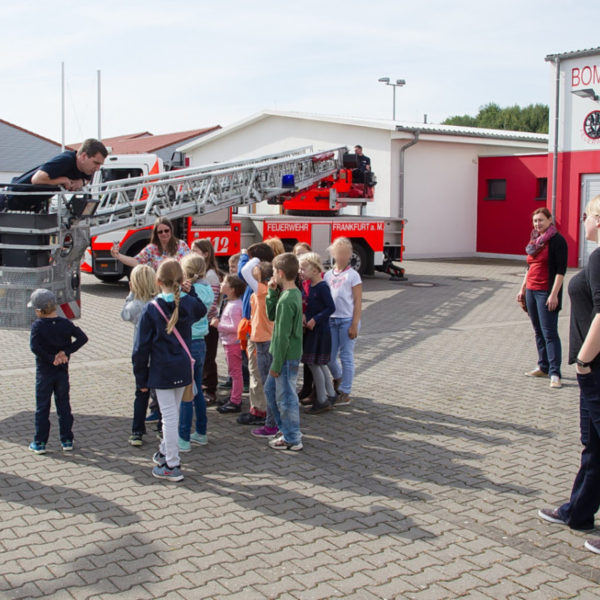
(177, 334)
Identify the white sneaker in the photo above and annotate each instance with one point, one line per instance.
(279, 443)
(555, 381)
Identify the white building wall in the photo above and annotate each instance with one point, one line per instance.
(273, 134)
(440, 197)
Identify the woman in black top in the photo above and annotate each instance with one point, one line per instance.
(542, 291)
(584, 292)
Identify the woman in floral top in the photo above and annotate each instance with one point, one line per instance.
(163, 244)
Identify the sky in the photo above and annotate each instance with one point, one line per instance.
(172, 66)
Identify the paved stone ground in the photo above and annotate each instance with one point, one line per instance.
(426, 486)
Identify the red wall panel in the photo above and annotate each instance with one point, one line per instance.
(504, 226)
(571, 166)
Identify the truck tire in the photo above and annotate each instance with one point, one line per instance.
(359, 260)
(109, 278)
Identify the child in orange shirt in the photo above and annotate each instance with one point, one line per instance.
(259, 357)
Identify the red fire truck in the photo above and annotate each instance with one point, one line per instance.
(313, 215)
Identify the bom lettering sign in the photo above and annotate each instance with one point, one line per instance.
(587, 75)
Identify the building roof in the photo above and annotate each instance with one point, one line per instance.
(480, 132)
(128, 136)
(146, 142)
(21, 149)
(37, 135)
(389, 125)
(573, 54)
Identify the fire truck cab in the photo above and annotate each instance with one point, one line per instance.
(97, 258)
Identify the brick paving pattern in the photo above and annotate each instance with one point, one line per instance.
(425, 486)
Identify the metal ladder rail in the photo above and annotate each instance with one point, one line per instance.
(5, 187)
(184, 174)
(134, 192)
(302, 150)
(199, 193)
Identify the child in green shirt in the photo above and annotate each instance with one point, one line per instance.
(285, 308)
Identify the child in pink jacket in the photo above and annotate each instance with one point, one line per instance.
(233, 288)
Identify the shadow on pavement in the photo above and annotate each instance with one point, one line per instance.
(62, 499)
(366, 462)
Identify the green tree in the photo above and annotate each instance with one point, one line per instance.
(533, 117)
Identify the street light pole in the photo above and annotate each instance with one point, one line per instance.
(398, 83)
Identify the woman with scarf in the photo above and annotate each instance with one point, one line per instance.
(542, 292)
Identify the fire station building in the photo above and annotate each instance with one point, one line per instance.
(463, 191)
(564, 179)
(427, 174)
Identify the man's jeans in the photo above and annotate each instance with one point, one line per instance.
(579, 511)
(186, 412)
(545, 325)
(341, 342)
(283, 403)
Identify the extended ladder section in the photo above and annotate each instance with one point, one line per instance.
(138, 201)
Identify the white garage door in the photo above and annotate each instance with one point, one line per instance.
(590, 187)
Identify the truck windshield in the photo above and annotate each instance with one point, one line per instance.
(112, 174)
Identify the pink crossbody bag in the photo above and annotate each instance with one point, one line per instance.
(190, 390)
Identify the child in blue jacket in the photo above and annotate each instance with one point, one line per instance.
(161, 361)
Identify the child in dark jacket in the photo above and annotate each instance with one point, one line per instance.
(163, 362)
(317, 335)
(51, 342)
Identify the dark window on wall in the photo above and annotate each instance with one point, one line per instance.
(541, 189)
(496, 189)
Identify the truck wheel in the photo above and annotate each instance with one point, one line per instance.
(359, 259)
(109, 278)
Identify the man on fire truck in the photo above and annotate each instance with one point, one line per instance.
(70, 169)
(361, 174)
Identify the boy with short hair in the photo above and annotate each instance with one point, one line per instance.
(52, 343)
(285, 308)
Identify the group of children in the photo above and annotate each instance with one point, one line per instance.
(271, 311)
